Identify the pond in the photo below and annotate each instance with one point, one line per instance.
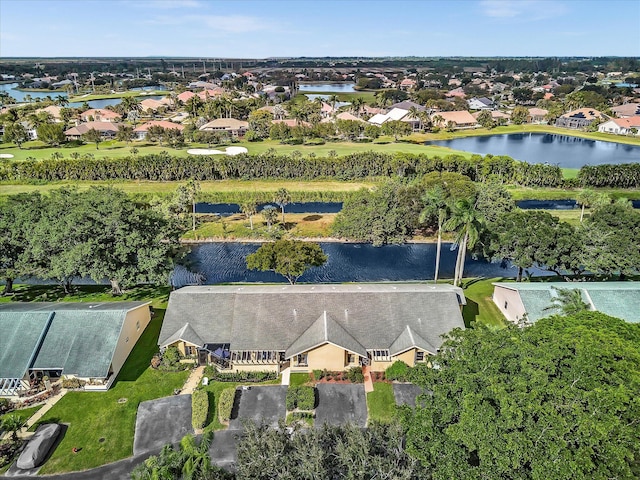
(20, 95)
(562, 150)
(222, 262)
(326, 87)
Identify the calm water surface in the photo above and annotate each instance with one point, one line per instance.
(562, 150)
(326, 87)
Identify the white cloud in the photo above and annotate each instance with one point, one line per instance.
(522, 10)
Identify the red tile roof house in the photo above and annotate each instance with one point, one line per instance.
(185, 96)
(108, 130)
(461, 119)
(626, 110)
(140, 131)
(621, 126)
(538, 115)
(99, 115)
(581, 118)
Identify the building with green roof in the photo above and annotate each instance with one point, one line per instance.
(89, 341)
(536, 299)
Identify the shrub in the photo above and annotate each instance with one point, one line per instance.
(243, 377)
(300, 417)
(170, 360)
(72, 383)
(397, 371)
(225, 404)
(199, 408)
(303, 398)
(354, 375)
(5, 405)
(318, 374)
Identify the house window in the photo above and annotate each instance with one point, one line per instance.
(351, 358)
(506, 304)
(381, 355)
(419, 356)
(301, 360)
(188, 350)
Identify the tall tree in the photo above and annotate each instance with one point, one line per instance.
(15, 133)
(270, 215)
(125, 133)
(249, 209)
(589, 198)
(289, 258)
(465, 222)
(436, 205)
(93, 136)
(51, 133)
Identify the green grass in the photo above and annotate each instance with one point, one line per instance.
(381, 402)
(306, 418)
(299, 379)
(530, 193)
(24, 413)
(128, 93)
(91, 416)
(480, 307)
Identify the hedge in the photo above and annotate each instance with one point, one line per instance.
(397, 371)
(242, 377)
(355, 375)
(302, 398)
(199, 408)
(225, 404)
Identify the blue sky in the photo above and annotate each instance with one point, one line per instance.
(264, 28)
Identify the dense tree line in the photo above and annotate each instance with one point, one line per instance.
(626, 175)
(99, 233)
(555, 400)
(164, 167)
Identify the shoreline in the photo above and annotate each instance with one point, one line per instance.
(189, 241)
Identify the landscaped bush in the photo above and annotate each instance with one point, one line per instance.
(199, 408)
(302, 417)
(398, 371)
(318, 374)
(8, 450)
(5, 405)
(225, 404)
(170, 361)
(354, 375)
(73, 383)
(243, 377)
(302, 398)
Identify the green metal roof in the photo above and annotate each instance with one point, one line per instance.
(20, 334)
(618, 299)
(80, 340)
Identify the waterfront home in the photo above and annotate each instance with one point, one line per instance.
(534, 300)
(141, 131)
(108, 130)
(88, 341)
(307, 327)
(537, 115)
(621, 126)
(99, 115)
(626, 110)
(580, 118)
(460, 119)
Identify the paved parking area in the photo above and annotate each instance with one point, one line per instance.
(161, 421)
(406, 393)
(223, 449)
(339, 404)
(261, 404)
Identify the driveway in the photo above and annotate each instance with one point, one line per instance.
(406, 393)
(162, 421)
(339, 404)
(223, 449)
(264, 403)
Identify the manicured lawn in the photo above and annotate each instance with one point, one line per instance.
(480, 307)
(92, 416)
(381, 403)
(298, 379)
(529, 193)
(24, 413)
(305, 418)
(128, 93)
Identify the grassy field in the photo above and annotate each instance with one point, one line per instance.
(381, 402)
(299, 379)
(368, 96)
(128, 93)
(480, 307)
(93, 416)
(529, 193)
(24, 413)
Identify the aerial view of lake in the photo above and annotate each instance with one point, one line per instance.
(562, 150)
(326, 87)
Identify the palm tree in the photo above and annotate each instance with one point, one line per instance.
(282, 198)
(125, 133)
(465, 222)
(414, 114)
(333, 99)
(357, 104)
(249, 209)
(435, 200)
(270, 214)
(437, 120)
(425, 119)
(196, 458)
(12, 423)
(568, 301)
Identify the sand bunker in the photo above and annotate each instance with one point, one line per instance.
(228, 151)
(8, 155)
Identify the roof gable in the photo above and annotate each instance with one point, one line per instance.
(185, 334)
(408, 340)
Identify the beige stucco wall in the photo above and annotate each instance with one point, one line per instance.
(327, 356)
(515, 308)
(130, 331)
(180, 345)
(408, 357)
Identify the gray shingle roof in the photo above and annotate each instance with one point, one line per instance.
(81, 338)
(274, 317)
(409, 339)
(186, 334)
(20, 335)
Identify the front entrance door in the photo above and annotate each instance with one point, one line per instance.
(203, 357)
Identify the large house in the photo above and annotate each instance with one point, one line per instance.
(89, 341)
(99, 115)
(141, 131)
(626, 110)
(307, 327)
(237, 128)
(581, 118)
(108, 130)
(459, 119)
(621, 126)
(537, 115)
(533, 300)
(481, 103)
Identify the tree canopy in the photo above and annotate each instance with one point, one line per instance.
(555, 400)
(289, 258)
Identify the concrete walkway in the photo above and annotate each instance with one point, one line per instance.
(193, 381)
(48, 405)
(368, 382)
(286, 376)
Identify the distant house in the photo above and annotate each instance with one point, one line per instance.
(456, 92)
(185, 96)
(407, 84)
(626, 110)
(581, 118)
(108, 130)
(496, 115)
(210, 93)
(538, 115)
(99, 115)
(621, 126)
(151, 104)
(460, 119)
(141, 131)
(307, 327)
(52, 110)
(481, 103)
(237, 128)
(348, 116)
(89, 341)
(408, 105)
(291, 122)
(534, 299)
